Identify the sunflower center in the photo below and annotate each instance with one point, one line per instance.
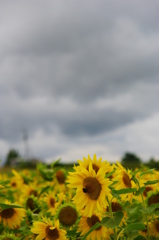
(30, 204)
(126, 180)
(116, 207)
(92, 187)
(33, 192)
(92, 221)
(60, 176)
(95, 167)
(52, 202)
(157, 226)
(67, 216)
(7, 213)
(153, 199)
(147, 189)
(51, 234)
(13, 184)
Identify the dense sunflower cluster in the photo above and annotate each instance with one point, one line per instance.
(95, 200)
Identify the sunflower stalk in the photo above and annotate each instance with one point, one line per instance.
(143, 202)
(111, 212)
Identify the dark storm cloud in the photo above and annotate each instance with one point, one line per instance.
(61, 61)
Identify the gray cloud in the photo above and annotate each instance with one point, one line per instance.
(77, 69)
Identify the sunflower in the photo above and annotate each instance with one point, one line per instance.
(116, 206)
(12, 216)
(152, 198)
(51, 201)
(100, 233)
(154, 228)
(67, 215)
(96, 163)
(48, 230)
(144, 232)
(124, 178)
(92, 189)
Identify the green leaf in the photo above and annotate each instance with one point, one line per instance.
(109, 174)
(125, 190)
(1, 228)
(135, 226)
(44, 190)
(148, 171)
(3, 182)
(6, 206)
(139, 191)
(149, 209)
(113, 222)
(151, 182)
(140, 237)
(71, 233)
(91, 230)
(47, 174)
(55, 162)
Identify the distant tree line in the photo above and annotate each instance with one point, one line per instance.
(129, 160)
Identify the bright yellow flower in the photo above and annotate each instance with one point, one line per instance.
(92, 189)
(48, 230)
(124, 178)
(12, 217)
(50, 199)
(100, 233)
(96, 163)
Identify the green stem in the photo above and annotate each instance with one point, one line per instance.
(147, 222)
(110, 210)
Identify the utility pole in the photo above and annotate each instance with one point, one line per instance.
(26, 144)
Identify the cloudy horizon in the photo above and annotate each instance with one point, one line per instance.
(79, 78)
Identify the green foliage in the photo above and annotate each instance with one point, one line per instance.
(131, 161)
(12, 154)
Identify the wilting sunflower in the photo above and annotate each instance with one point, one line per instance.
(92, 189)
(67, 215)
(12, 216)
(48, 230)
(154, 228)
(100, 233)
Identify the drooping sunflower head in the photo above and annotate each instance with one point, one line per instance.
(32, 203)
(60, 176)
(153, 198)
(154, 228)
(67, 215)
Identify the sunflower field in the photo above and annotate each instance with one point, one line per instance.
(95, 200)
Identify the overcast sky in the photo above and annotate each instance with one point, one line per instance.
(79, 77)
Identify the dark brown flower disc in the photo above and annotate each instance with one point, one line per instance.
(67, 216)
(92, 187)
(92, 221)
(126, 180)
(51, 234)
